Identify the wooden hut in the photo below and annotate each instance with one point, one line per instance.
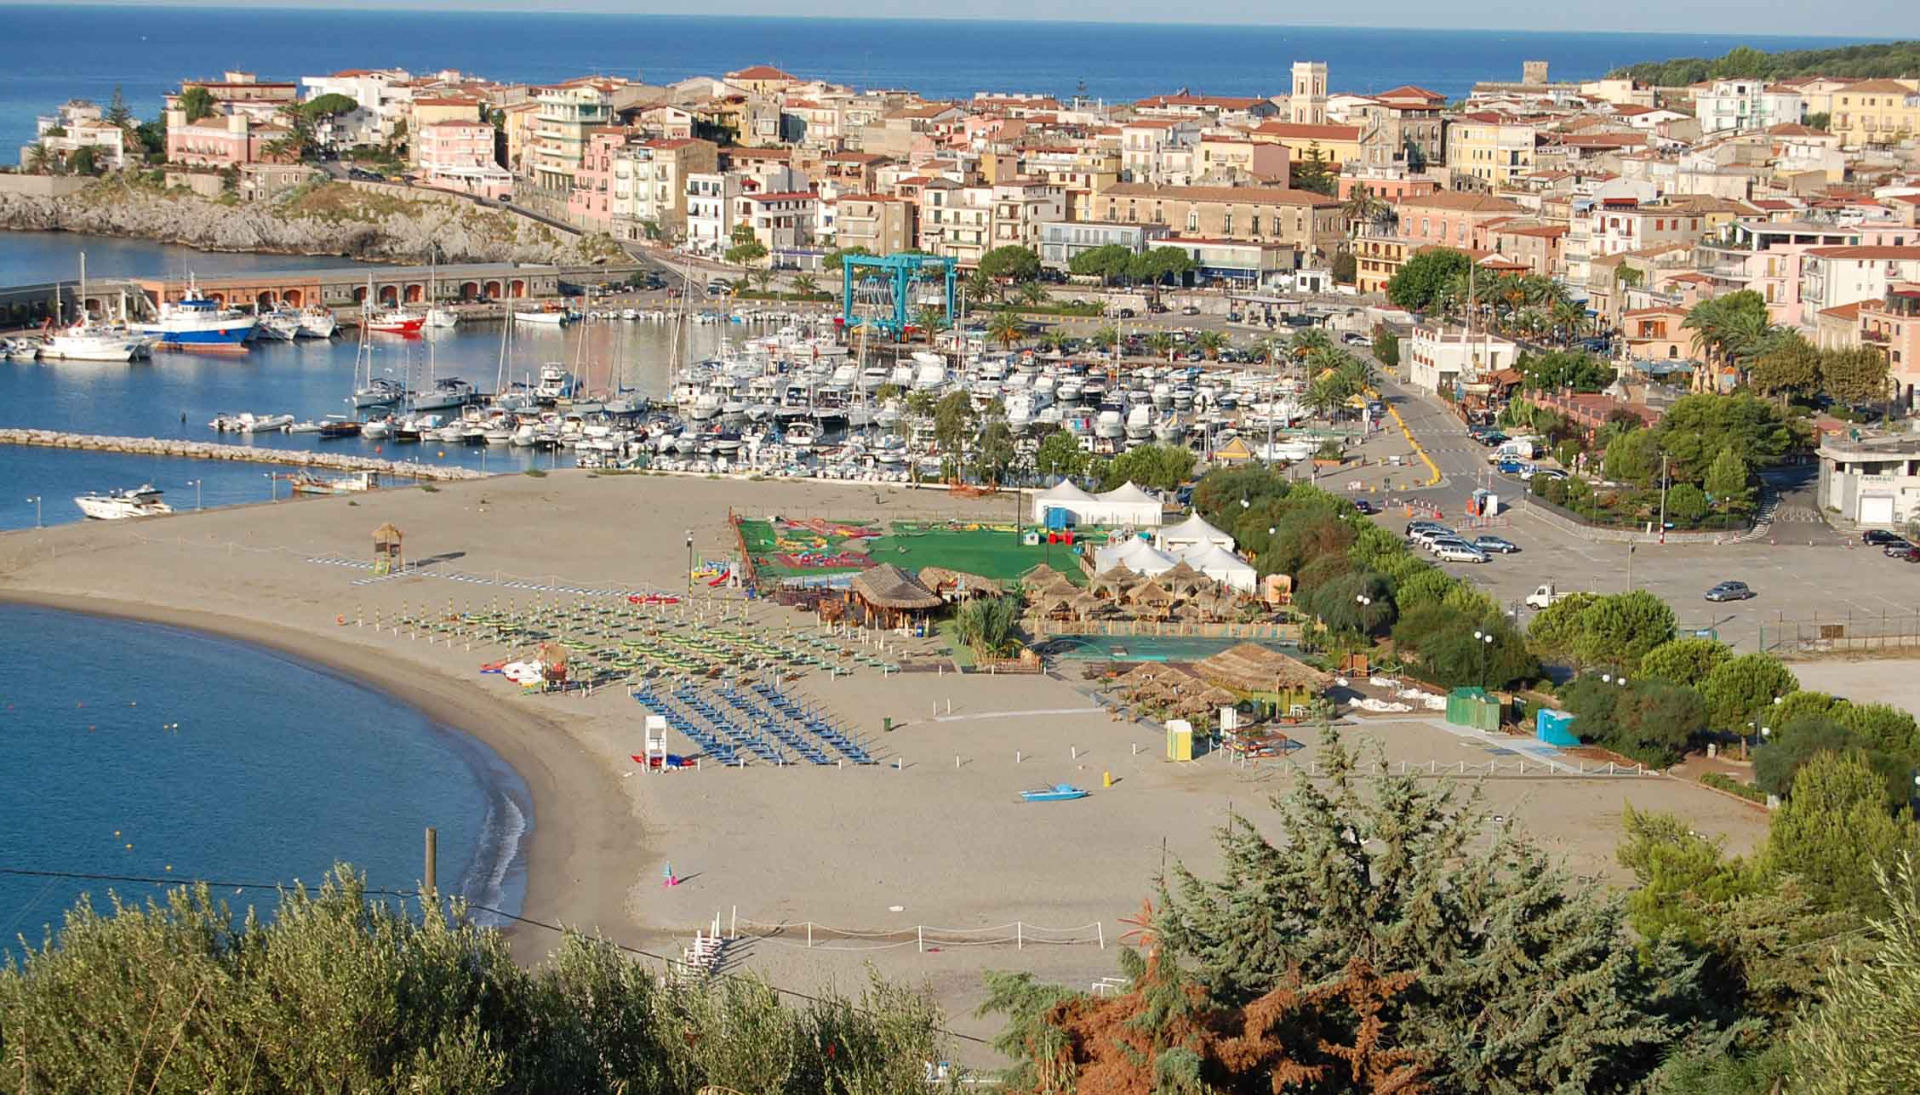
(958, 585)
(1255, 672)
(388, 556)
(889, 597)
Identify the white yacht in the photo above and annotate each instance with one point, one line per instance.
(278, 326)
(447, 392)
(120, 504)
(1139, 422)
(442, 317)
(555, 384)
(86, 341)
(317, 322)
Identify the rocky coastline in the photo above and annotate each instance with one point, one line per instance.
(378, 225)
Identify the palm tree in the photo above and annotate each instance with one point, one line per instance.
(1309, 340)
(1211, 343)
(928, 319)
(1006, 328)
(982, 288)
(761, 278)
(1160, 344)
(1031, 293)
(1105, 337)
(39, 160)
(806, 285)
(1363, 206)
(1569, 318)
(1324, 397)
(1056, 340)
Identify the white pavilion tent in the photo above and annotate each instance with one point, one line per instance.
(1193, 531)
(1135, 554)
(1222, 566)
(1063, 495)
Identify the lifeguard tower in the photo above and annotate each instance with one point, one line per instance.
(388, 556)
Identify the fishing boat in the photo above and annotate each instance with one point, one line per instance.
(336, 426)
(550, 314)
(199, 322)
(1059, 792)
(86, 341)
(396, 322)
(118, 505)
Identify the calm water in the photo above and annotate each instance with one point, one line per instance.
(29, 258)
(99, 779)
(178, 394)
(59, 53)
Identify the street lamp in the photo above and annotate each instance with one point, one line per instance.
(689, 564)
(1485, 639)
(36, 510)
(195, 484)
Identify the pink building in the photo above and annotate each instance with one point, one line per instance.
(1891, 325)
(220, 141)
(590, 204)
(1451, 218)
(459, 156)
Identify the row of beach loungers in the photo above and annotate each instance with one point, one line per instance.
(728, 721)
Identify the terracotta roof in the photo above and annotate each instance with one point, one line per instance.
(1309, 132)
(1869, 253)
(1461, 202)
(1880, 87)
(1844, 311)
(760, 72)
(1411, 91)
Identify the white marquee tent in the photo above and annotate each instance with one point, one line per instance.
(1191, 532)
(1222, 566)
(1134, 554)
(1124, 506)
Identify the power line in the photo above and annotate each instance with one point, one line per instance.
(83, 876)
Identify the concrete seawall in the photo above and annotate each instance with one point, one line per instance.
(211, 450)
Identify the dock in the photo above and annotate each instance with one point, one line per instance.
(213, 450)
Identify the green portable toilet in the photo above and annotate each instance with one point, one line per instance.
(1473, 707)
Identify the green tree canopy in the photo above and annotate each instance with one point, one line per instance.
(1697, 428)
(1109, 262)
(1617, 629)
(1687, 661)
(1854, 376)
(1575, 370)
(1060, 454)
(196, 102)
(1011, 262)
(332, 103)
(1158, 264)
(1156, 467)
(1419, 284)
(1791, 366)
(1835, 829)
(1741, 689)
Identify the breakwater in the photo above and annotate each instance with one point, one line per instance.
(213, 450)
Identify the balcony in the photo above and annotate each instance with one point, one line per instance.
(1877, 337)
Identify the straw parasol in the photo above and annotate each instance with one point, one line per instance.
(1040, 577)
(1250, 667)
(1110, 582)
(1182, 578)
(944, 580)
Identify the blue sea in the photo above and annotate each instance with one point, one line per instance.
(140, 750)
(61, 52)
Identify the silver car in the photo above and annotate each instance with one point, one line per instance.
(1458, 551)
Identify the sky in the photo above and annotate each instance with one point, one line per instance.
(1868, 19)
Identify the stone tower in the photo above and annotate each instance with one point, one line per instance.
(1533, 73)
(1308, 102)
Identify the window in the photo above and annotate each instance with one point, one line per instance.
(1193, 220)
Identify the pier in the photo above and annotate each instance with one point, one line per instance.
(213, 450)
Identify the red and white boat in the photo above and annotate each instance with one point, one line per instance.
(396, 322)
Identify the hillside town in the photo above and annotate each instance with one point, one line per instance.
(1638, 201)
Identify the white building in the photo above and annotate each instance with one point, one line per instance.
(1441, 357)
(1874, 481)
(385, 97)
(1747, 104)
(78, 125)
(1834, 276)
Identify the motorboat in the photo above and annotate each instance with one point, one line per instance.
(376, 429)
(357, 482)
(199, 322)
(552, 315)
(1059, 792)
(1139, 423)
(282, 325)
(336, 426)
(87, 341)
(442, 317)
(249, 422)
(555, 384)
(118, 505)
(317, 322)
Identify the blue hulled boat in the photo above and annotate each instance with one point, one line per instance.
(198, 322)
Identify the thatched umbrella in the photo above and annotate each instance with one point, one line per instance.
(1250, 667)
(1151, 598)
(1182, 579)
(1112, 581)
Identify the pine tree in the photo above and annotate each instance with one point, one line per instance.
(1523, 981)
(118, 113)
(1860, 1041)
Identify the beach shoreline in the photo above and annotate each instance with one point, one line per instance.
(572, 877)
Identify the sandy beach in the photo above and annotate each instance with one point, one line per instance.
(934, 835)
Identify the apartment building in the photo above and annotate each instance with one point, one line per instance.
(1617, 225)
(385, 96)
(1766, 257)
(1445, 358)
(649, 186)
(1832, 276)
(1490, 151)
(1891, 324)
(1338, 145)
(1454, 218)
(1876, 112)
(881, 223)
(566, 114)
(459, 156)
(1309, 222)
(75, 126)
(1061, 241)
(955, 221)
(781, 221)
(1743, 104)
(1228, 157)
(1407, 128)
(1145, 144)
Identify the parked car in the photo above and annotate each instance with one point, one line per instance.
(1365, 506)
(1896, 548)
(1546, 473)
(1545, 596)
(1459, 551)
(1730, 591)
(1156, 307)
(1355, 338)
(1190, 310)
(1416, 527)
(1514, 467)
(1491, 438)
(1125, 313)
(1426, 536)
(1496, 543)
(1912, 555)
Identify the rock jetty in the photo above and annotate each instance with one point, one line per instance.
(211, 450)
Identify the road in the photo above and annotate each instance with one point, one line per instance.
(1805, 574)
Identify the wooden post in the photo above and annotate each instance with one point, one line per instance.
(429, 886)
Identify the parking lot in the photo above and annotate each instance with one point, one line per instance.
(1804, 574)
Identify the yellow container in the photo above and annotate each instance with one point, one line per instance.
(1179, 740)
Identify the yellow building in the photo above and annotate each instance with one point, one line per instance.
(1486, 150)
(1876, 112)
(1337, 144)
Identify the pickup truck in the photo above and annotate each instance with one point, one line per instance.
(1546, 595)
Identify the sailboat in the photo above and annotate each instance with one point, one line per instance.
(85, 340)
(372, 393)
(393, 321)
(438, 315)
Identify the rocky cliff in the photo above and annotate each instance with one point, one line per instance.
(383, 224)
